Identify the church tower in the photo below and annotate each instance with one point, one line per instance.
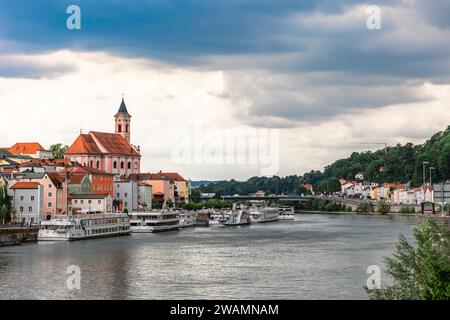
(122, 121)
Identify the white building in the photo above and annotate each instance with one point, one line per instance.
(145, 196)
(27, 200)
(82, 203)
(128, 193)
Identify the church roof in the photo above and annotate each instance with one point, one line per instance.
(84, 144)
(123, 109)
(101, 143)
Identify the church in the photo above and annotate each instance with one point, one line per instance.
(110, 152)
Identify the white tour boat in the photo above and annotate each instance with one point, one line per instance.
(266, 214)
(217, 219)
(154, 221)
(286, 214)
(187, 219)
(238, 217)
(84, 226)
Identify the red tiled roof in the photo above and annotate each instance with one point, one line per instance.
(84, 144)
(84, 170)
(172, 176)
(76, 179)
(26, 148)
(114, 143)
(101, 143)
(25, 185)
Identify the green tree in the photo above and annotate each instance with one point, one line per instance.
(4, 213)
(365, 207)
(421, 272)
(58, 150)
(383, 207)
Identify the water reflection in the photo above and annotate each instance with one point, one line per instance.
(314, 257)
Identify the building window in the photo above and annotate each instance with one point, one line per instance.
(118, 195)
(21, 198)
(115, 164)
(21, 209)
(126, 204)
(126, 194)
(129, 165)
(98, 164)
(126, 128)
(30, 209)
(99, 201)
(32, 198)
(120, 128)
(121, 164)
(92, 164)
(76, 201)
(49, 186)
(135, 165)
(81, 201)
(89, 201)
(49, 204)
(50, 194)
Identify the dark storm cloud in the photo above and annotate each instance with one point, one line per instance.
(293, 60)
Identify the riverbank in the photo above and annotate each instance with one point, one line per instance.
(10, 236)
(360, 214)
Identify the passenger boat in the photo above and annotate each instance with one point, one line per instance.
(187, 219)
(154, 221)
(261, 215)
(238, 217)
(84, 226)
(217, 219)
(286, 214)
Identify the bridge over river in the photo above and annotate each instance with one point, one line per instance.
(353, 203)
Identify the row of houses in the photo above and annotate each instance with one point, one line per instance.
(394, 193)
(100, 172)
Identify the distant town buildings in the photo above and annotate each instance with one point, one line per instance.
(394, 193)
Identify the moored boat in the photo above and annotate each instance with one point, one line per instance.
(286, 214)
(238, 217)
(187, 219)
(264, 214)
(84, 226)
(154, 221)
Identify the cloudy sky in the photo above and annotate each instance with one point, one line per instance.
(306, 82)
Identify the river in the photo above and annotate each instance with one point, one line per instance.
(316, 256)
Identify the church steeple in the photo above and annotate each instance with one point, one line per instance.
(122, 121)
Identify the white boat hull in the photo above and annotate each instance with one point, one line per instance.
(154, 229)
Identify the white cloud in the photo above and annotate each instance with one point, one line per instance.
(163, 98)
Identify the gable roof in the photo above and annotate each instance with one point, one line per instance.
(25, 185)
(84, 144)
(84, 170)
(26, 148)
(174, 176)
(76, 179)
(95, 142)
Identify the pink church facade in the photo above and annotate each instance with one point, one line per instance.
(110, 152)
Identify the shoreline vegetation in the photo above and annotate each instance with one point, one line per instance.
(419, 271)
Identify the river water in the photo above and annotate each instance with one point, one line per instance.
(314, 257)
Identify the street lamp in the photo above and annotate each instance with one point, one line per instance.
(423, 166)
(431, 168)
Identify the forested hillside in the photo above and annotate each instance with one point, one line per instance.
(401, 163)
